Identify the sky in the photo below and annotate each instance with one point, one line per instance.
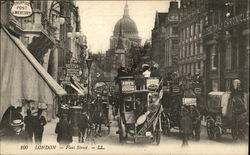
(98, 19)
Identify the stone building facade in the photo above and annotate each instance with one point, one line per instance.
(165, 38)
(226, 44)
(191, 54)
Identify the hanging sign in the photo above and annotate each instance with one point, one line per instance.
(21, 8)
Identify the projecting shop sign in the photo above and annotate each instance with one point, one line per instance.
(21, 9)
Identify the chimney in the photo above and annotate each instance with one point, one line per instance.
(173, 6)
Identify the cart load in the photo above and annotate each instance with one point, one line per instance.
(218, 103)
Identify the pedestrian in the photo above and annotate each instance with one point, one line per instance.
(185, 125)
(28, 120)
(82, 124)
(17, 135)
(63, 131)
(238, 110)
(39, 123)
(196, 119)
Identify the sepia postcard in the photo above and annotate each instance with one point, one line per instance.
(124, 77)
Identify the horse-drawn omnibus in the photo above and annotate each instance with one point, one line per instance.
(139, 111)
(177, 96)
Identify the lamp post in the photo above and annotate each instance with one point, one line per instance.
(89, 63)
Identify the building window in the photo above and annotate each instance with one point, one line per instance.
(184, 50)
(195, 48)
(214, 58)
(180, 52)
(228, 57)
(191, 31)
(174, 30)
(37, 5)
(175, 44)
(192, 49)
(184, 34)
(215, 85)
(228, 85)
(201, 48)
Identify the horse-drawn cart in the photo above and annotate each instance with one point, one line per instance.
(220, 116)
(139, 111)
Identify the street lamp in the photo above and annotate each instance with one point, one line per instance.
(89, 63)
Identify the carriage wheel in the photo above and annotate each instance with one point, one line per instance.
(121, 138)
(217, 132)
(166, 126)
(210, 129)
(157, 137)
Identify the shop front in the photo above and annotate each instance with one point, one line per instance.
(24, 82)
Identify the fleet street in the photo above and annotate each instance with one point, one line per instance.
(125, 77)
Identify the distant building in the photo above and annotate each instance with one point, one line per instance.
(125, 35)
(129, 31)
(165, 38)
(158, 38)
(191, 55)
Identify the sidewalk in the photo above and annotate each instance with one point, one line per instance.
(49, 134)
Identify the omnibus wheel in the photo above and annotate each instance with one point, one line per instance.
(157, 137)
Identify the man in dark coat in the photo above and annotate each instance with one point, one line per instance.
(39, 122)
(28, 120)
(63, 131)
(185, 125)
(83, 122)
(196, 119)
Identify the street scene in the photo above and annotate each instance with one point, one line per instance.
(124, 77)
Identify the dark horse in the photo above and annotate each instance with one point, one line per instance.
(98, 115)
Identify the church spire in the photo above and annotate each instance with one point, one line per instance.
(126, 10)
(120, 42)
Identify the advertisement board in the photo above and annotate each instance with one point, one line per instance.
(152, 83)
(128, 85)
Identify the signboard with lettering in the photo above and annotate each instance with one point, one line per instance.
(152, 83)
(189, 101)
(128, 85)
(176, 89)
(21, 8)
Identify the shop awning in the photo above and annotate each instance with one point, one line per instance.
(22, 76)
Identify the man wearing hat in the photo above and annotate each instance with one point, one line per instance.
(17, 134)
